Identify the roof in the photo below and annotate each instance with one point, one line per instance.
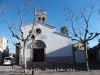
(63, 34)
(77, 43)
(41, 23)
(47, 24)
(50, 26)
(41, 12)
(2, 37)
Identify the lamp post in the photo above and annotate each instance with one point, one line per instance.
(33, 38)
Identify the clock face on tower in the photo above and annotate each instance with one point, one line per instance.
(38, 31)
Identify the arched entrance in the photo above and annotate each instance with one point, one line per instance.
(39, 51)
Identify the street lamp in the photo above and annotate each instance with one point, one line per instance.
(33, 37)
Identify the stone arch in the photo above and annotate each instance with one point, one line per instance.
(39, 44)
(39, 48)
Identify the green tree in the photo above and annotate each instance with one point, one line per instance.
(64, 30)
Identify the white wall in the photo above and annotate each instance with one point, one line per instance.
(99, 54)
(57, 45)
(80, 56)
(3, 42)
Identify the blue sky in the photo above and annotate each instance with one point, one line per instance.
(55, 10)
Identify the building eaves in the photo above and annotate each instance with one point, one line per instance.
(63, 34)
(39, 22)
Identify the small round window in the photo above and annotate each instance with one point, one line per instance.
(38, 31)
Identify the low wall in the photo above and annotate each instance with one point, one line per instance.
(80, 56)
(0, 57)
(68, 59)
(99, 54)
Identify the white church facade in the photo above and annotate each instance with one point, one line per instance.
(49, 45)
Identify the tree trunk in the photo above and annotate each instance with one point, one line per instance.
(24, 56)
(86, 57)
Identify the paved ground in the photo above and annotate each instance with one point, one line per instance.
(65, 69)
(68, 73)
(53, 69)
(7, 70)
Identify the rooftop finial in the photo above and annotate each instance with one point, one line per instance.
(41, 16)
(40, 7)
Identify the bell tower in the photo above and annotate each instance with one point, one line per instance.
(41, 16)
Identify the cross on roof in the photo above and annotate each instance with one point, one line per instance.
(40, 7)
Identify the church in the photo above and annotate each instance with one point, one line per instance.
(49, 45)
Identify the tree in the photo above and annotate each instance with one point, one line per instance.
(64, 30)
(99, 40)
(23, 8)
(79, 21)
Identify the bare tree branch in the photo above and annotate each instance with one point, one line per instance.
(21, 23)
(30, 32)
(87, 35)
(91, 34)
(14, 35)
(75, 40)
(96, 34)
(86, 30)
(18, 45)
(22, 38)
(86, 21)
(75, 34)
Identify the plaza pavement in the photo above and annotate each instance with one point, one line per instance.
(42, 68)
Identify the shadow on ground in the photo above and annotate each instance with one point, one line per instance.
(78, 67)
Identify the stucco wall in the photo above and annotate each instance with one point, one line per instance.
(80, 56)
(3, 42)
(57, 45)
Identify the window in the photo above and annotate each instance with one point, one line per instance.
(7, 58)
(39, 18)
(38, 31)
(43, 19)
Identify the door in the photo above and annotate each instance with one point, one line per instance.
(35, 57)
(38, 55)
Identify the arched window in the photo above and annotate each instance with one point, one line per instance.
(43, 19)
(39, 18)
